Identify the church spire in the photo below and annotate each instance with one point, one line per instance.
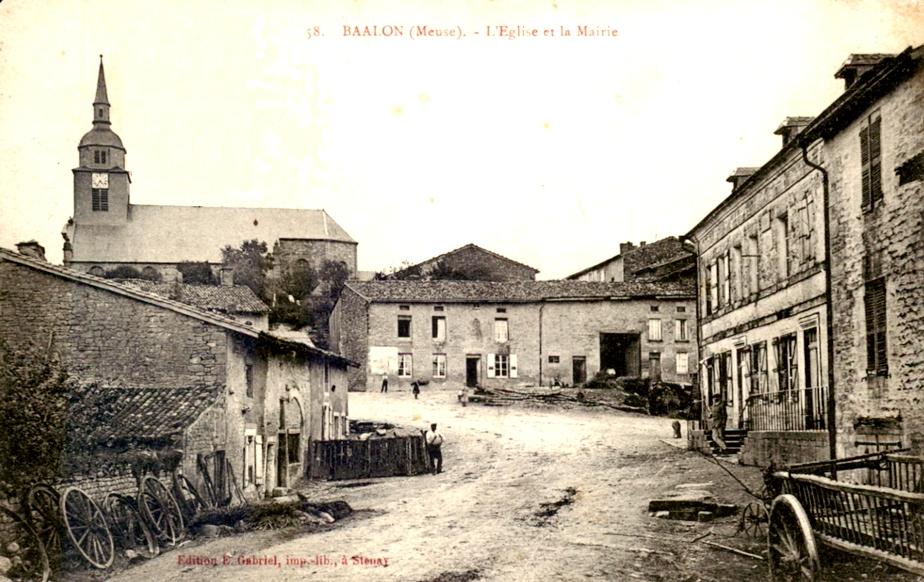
(101, 103)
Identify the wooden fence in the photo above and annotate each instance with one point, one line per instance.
(354, 459)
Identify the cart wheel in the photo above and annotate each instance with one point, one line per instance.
(187, 497)
(32, 563)
(43, 514)
(128, 526)
(86, 528)
(793, 554)
(754, 520)
(161, 511)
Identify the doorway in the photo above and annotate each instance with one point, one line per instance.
(578, 370)
(472, 368)
(621, 352)
(654, 366)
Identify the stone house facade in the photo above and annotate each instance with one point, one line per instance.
(476, 263)
(806, 274)
(455, 333)
(108, 231)
(235, 377)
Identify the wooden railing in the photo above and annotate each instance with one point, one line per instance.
(788, 410)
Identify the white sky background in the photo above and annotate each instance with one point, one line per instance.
(549, 151)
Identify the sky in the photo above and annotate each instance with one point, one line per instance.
(550, 150)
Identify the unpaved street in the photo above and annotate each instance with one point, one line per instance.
(479, 515)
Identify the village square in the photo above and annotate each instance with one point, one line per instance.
(234, 392)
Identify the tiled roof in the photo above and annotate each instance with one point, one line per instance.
(172, 234)
(470, 246)
(220, 298)
(510, 291)
(143, 414)
(665, 250)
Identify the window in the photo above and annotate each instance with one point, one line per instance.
(501, 331)
(871, 161)
(501, 366)
(681, 330)
(809, 243)
(439, 365)
(404, 308)
(248, 380)
(438, 308)
(554, 359)
(874, 303)
(681, 309)
(100, 156)
(654, 330)
(405, 365)
(683, 363)
(502, 310)
(655, 308)
(758, 368)
(786, 366)
(753, 264)
(782, 234)
(100, 199)
(292, 446)
(404, 326)
(439, 328)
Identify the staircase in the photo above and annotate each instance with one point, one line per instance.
(734, 438)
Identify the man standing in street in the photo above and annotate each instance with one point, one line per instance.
(385, 382)
(719, 416)
(434, 442)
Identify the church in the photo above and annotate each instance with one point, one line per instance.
(108, 231)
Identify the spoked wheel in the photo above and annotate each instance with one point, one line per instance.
(793, 554)
(43, 513)
(128, 526)
(86, 528)
(161, 511)
(754, 520)
(30, 562)
(188, 497)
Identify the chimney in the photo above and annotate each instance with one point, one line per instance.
(626, 247)
(31, 249)
(739, 176)
(641, 244)
(857, 64)
(226, 276)
(791, 127)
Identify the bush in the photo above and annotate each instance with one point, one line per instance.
(197, 273)
(123, 272)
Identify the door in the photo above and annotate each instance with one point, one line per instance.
(578, 370)
(282, 473)
(654, 366)
(472, 367)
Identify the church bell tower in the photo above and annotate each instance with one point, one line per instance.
(101, 182)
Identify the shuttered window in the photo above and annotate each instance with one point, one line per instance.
(100, 199)
(874, 302)
(871, 160)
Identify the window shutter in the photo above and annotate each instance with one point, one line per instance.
(258, 470)
(864, 161)
(490, 365)
(875, 161)
(513, 365)
(676, 329)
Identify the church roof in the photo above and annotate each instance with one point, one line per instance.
(101, 136)
(172, 234)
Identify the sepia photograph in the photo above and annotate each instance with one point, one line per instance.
(480, 290)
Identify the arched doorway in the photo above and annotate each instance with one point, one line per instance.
(290, 455)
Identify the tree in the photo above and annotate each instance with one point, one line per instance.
(250, 262)
(197, 273)
(123, 272)
(33, 413)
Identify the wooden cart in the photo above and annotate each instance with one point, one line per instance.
(883, 521)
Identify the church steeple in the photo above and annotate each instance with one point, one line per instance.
(101, 103)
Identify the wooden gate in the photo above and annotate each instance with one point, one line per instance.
(354, 459)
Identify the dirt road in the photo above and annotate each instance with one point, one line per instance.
(480, 515)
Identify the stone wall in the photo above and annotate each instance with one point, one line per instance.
(892, 232)
(102, 336)
(287, 252)
(349, 335)
(761, 448)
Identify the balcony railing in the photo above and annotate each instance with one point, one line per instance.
(788, 410)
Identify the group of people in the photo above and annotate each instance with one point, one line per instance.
(415, 386)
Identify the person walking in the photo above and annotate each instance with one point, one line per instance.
(384, 382)
(434, 443)
(719, 416)
(415, 388)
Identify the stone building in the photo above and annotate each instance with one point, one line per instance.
(810, 279)
(663, 260)
(108, 231)
(501, 333)
(472, 262)
(236, 393)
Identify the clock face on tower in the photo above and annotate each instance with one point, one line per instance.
(100, 180)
